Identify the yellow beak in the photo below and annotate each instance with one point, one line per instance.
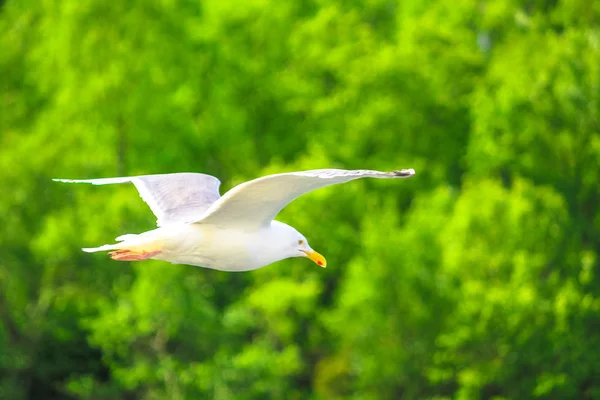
(316, 257)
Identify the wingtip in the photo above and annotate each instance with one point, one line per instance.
(63, 180)
(404, 173)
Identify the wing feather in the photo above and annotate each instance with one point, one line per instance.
(173, 198)
(254, 204)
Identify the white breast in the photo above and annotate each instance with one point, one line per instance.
(212, 247)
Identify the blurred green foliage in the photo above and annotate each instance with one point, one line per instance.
(477, 279)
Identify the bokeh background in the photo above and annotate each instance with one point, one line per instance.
(476, 279)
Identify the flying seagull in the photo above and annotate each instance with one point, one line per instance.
(236, 232)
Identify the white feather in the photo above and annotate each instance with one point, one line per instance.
(254, 204)
(233, 233)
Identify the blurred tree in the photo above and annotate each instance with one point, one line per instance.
(476, 279)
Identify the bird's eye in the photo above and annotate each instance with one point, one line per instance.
(300, 241)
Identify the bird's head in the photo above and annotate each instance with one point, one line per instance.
(295, 244)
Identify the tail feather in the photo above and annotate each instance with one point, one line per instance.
(126, 241)
(102, 248)
(131, 247)
(126, 237)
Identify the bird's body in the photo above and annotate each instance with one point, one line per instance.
(203, 245)
(236, 232)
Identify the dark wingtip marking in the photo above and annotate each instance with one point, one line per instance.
(404, 172)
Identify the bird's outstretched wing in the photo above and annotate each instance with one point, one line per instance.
(254, 204)
(173, 198)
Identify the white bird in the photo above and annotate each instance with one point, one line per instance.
(236, 232)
